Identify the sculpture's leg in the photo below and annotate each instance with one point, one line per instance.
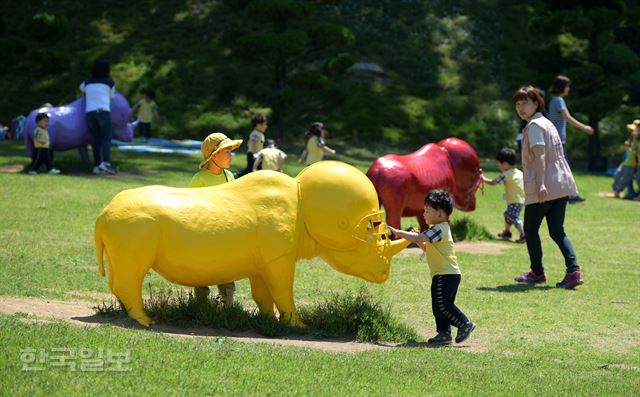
(126, 277)
(201, 293)
(393, 216)
(84, 154)
(421, 222)
(262, 296)
(279, 279)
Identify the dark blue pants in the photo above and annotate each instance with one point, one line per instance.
(99, 123)
(145, 130)
(443, 295)
(42, 156)
(249, 168)
(554, 212)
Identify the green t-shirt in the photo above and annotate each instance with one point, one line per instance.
(204, 178)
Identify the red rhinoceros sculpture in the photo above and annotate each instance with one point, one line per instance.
(403, 181)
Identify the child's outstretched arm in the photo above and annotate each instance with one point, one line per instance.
(488, 181)
(327, 149)
(414, 237)
(303, 156)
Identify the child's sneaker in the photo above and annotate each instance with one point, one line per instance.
(443, 338)
(54, 171)
(32, 172)
(106, 167)
(97, 170)
(571, 280)
(505, 235)
(521, 240)
(465, 331)
(531, 278)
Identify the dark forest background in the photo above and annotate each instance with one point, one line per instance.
(448, 68)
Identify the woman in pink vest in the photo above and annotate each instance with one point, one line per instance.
(548, 183)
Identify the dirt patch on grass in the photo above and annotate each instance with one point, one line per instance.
(474, 247)
(12, 168)
(82, 313)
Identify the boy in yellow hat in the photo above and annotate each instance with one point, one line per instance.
(216, 154)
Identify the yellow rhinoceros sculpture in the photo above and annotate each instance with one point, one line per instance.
(255, 228)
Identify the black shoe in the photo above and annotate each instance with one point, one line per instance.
(465, 331)
(441, 339)
(505, 235)
(576, 200)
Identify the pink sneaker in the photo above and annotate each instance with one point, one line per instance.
(531, 278)
(571, 280)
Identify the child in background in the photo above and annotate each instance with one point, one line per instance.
(437, 243)
(513, 192)
(41, 144)
(256, 142)
(147, 109)
(271, 158)
(315, 147)
(216, 154)
(629, 166)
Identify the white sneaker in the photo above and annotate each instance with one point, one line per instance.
(106, 167)
(33, 172)
(54, 171)
(97, 170)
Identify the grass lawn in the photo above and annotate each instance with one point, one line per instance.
(529, 341)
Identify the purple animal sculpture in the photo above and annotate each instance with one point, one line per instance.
(68, 126)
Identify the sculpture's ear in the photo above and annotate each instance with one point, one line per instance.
(334, 197)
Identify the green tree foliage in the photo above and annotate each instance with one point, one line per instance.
(449, 67)
(596, 45)
(285, 35)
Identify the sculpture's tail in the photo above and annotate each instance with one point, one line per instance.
(99, 244)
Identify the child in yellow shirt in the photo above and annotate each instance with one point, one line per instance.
(315, 147)
(147, 109)
(216, 154)
(437, 243)
(41, 145)
(513, 181)
(270, 158)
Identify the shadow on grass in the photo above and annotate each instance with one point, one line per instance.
(347, 317)
(412, 344)
(515, 288)
(121, 320)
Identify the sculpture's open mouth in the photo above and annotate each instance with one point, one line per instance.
(372, 229)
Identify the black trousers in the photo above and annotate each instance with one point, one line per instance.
(42, 156)
(443, 296)
(145, 130)
(554, 212)
(250, 161)
(99, 123)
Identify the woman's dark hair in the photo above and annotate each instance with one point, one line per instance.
(270, 142)
(506, 155)
(258, 119)
(532, 93)
(440, 200)
(560, 83)
(41, 116)
(315, 129)
(100, 69)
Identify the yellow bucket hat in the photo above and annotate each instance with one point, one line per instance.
(631, 127)
(214, 143)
